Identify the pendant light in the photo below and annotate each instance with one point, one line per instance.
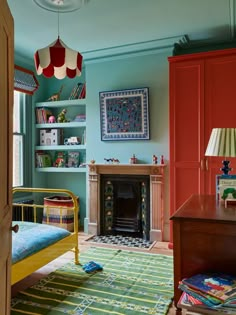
(57, 59)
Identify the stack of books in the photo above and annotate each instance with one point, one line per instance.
(42, 115)
(209, 293)
(78, 92)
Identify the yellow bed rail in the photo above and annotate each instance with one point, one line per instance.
(36, 261)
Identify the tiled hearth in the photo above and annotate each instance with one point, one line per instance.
(156, 175)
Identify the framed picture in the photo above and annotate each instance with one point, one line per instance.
(124, 114)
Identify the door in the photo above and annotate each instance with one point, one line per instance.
(6, 103)
(186, 131)
(220, 108)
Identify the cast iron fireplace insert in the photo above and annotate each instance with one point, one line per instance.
(125, 205)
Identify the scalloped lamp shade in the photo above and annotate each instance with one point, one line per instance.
(222, 142)
(58, 60)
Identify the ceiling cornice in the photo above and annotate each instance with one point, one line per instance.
(124, 51)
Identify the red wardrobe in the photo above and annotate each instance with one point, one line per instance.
(202, 96)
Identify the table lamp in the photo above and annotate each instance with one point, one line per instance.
(222, 142)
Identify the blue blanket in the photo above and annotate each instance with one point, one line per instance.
(32, 237)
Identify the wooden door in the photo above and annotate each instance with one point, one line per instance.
(220, 105)
(6, 103)
(186, 130)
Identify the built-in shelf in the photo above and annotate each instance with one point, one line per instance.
(76, 102)
(47, 135)
(62, 125)
(61, 147)
(61, 169)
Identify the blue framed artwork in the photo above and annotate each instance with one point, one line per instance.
(124, 114)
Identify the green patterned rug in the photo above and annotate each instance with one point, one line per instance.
(131, 283)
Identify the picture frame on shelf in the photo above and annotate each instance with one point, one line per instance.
(226, 188)
(125, 114)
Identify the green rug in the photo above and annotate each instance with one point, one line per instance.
(131, 283)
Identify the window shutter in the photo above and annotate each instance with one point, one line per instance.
(25, 80)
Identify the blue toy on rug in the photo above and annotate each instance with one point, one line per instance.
(92, 266)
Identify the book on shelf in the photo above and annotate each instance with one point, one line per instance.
(42, 115)
(78, 92)
(43, 159)
(189, 302)
(82, 93)
(219, 285)
(73, 159)
(207, 299)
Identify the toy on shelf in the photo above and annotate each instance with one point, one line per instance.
(61, 118)
(56, 96)
(51, 119)
(72, 141)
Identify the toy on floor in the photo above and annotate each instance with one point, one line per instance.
(92, 266)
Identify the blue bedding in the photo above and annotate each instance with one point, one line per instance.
(32, 237)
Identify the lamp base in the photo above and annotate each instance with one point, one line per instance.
(226, 169)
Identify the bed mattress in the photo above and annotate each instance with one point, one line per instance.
(32, 237)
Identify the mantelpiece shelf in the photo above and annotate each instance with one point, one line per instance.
(61, 147)
(61, 169)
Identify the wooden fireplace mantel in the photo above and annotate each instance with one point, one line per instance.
(132, 169)
(156, 174)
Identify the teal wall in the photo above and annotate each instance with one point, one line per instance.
(133, 70)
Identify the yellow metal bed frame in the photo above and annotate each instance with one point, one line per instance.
(30, 264)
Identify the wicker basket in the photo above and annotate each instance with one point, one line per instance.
(58, 211)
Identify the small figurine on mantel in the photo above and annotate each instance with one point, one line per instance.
(133, 159)
(112, 160)
(162, 159)
(154, 159)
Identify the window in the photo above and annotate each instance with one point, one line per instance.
(21, 140)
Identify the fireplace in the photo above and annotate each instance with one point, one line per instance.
(147, 222)
(124, 204)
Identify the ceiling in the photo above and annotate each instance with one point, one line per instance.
(102, 25)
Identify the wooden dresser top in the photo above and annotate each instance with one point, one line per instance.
(205, 207)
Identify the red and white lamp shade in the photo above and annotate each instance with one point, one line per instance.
(58, 60)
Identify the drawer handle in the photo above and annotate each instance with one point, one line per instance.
(207, 164)
(202, 168)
